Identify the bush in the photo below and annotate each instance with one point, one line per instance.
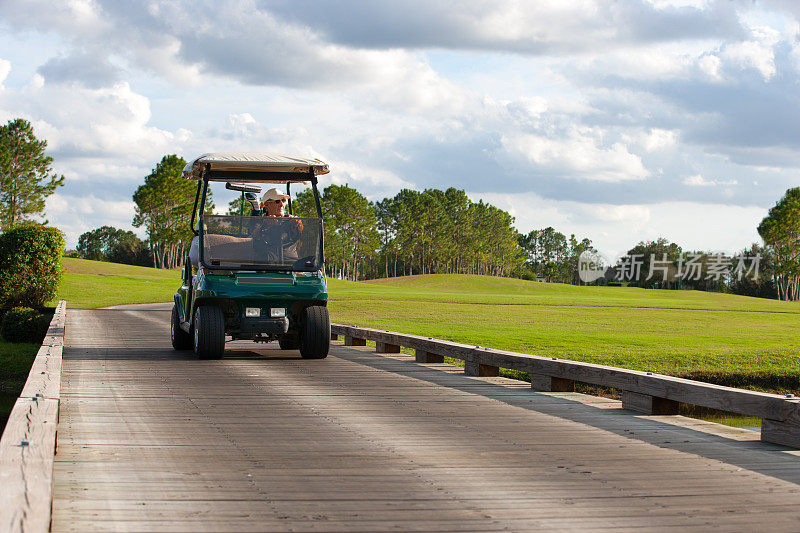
(23, 324)
(30, 265)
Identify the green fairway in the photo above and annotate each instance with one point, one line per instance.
(90, 284)
(724, 338)
(506, 291)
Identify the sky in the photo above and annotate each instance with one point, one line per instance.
(619, 121)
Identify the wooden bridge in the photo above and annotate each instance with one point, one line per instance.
(149, 439)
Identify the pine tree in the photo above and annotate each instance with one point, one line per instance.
(780, 230)
(164, 206)
(25, 179)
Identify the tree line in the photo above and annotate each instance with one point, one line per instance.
(413, 232)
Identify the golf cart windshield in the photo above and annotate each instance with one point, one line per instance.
(270, 243)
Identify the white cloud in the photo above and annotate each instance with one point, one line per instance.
(106, 122)
(5, 68)
(614, 229)
(75, 215)
(380, 181)
(74, 17)
(245, 133)
(698, 180)
(535, 28)
(752, 54)
(577, 156)
(653, 139)
(638, 214)
(710, 65)
(655, 62)
(665, 4)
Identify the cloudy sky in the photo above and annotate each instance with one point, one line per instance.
(614, 120)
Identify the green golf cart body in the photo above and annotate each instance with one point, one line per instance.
(253, 277)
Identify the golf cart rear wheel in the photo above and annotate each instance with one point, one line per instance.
(180, 339)
(209, 332)
(289, 342)
(315, 332)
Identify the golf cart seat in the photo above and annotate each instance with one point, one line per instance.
(194, 252)
(224, 246)
(237, 249)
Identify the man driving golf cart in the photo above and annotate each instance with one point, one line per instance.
(273, 231)
(253, 277)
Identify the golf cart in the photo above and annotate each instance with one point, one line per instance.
(251, 276)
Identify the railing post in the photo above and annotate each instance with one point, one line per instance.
(421, 356)
(480, 370)
(785, 431)
(776, 432)
(542, 383)
(334, 337)
(354, 341)
(383, 347)
(649, 405)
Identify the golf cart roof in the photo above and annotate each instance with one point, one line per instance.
(253, 166)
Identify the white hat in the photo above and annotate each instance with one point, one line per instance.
(273, 194)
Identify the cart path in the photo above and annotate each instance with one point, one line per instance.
(152, 439)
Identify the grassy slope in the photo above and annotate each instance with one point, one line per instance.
(480, 289)
(91, 284)
(663, 331)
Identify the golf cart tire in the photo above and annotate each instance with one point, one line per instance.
(289, 342)
(315, 333)
(180, 339)
(209, 332)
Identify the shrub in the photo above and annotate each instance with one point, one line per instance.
(23, 324)
(30, 265)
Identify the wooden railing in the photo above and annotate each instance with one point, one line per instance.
(27, 448)
(644, 392)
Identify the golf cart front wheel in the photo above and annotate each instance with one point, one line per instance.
(180, 339)
(209, 332)
(315, 332)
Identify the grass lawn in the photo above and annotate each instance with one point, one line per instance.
(15, 363)
(723, 338)
(91, 284)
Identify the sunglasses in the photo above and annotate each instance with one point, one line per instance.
(281, 201)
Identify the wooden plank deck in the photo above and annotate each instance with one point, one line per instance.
(150, 439)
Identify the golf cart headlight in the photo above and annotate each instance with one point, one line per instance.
(277, 312)
(252, 311)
